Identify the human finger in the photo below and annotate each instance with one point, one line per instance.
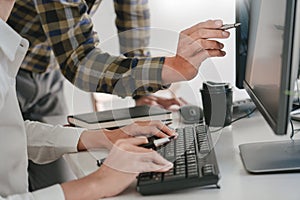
(209, 24)
(131, 144)
(154, 167)
(215, 53)
(164, 129)
(159, 164)
(208, 44)
(155, 127)
(208, 33)
(166, 103)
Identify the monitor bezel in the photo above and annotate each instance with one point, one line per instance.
(240, 64)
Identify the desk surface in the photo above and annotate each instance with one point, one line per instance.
(235, 182)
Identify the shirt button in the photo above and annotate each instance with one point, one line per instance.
(150, 89)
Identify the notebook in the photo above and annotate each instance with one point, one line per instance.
(119, 117)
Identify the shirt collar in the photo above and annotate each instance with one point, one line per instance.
(9, 41)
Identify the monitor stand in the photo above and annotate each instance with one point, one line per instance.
(271, 157)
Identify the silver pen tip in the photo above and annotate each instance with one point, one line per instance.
(237, 24)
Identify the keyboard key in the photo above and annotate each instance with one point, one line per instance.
(208, 169)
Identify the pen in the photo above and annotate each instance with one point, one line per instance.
(100, 162)
(156, 143)
(168, 123)
(229, 26)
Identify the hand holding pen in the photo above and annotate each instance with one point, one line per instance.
(157, 143)
(154, 142)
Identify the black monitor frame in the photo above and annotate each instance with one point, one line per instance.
(282, 156)
(241, 42)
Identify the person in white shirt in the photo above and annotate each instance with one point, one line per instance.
(42, 143)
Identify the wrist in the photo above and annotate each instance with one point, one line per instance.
(167, 69)
(93, 139)
(177, 69)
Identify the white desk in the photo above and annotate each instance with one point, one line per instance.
(235, 182)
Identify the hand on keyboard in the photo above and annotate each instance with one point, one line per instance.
(125, 160)
(155, 127)
(126, 156)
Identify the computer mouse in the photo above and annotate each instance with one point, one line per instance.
(191, 114)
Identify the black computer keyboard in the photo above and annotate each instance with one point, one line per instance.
(194, 161)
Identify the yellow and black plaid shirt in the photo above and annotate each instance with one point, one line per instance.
(61, 33)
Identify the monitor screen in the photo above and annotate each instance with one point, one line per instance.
(271, 71)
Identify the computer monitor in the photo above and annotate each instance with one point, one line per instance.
(241, 44)
(271, 71)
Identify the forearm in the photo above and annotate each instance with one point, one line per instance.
(90, 139)
(105, 182)
(86, 66)
(176, 69)
(120, 76)
(46, 143)
(88, 187)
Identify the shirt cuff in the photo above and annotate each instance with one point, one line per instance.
(49, 193)
(148, 76)
(67, 140)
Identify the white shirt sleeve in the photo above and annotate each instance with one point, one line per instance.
(47, 143)
(49, 193)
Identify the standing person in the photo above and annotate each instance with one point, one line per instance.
(43, 143)
(61, 33)
(39, 81)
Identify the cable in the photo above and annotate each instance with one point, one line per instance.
(297, 86)
(293, 131)
(296, 101)
(239, 118)
(235, 120)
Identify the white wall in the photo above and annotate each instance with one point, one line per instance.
(179, 15)
(168, 18)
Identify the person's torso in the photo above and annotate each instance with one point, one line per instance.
(13, 145)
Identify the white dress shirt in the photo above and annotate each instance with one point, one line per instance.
(19, 140)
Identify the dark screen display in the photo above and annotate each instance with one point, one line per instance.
(264, 57)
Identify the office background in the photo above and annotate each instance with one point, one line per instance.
(167, 20)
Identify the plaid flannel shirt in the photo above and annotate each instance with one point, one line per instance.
(61, 33)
